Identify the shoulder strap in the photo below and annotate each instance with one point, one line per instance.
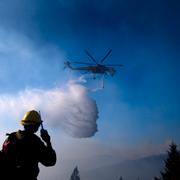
(19, 135)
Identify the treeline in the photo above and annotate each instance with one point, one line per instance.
(171, 169)
(172, 165)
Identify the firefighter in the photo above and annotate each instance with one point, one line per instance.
(24, 149)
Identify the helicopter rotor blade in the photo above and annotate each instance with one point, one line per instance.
(120, 65)
(76, 62)
(106, 55)
(90, 56)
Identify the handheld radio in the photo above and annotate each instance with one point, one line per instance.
(41, 121)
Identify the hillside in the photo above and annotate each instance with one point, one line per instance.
(99, 169)
(144, 168)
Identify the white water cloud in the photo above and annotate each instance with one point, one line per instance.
(70, 109)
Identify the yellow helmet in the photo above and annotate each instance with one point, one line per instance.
(31, 118)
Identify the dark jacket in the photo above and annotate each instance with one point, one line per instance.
(24, 155)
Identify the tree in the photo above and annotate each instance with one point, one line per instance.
(172, 165)
(75, 175)
(121, 178)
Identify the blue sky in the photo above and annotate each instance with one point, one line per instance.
(140, 105)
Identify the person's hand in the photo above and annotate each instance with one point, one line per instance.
(45, 136)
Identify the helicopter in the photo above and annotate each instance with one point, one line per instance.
(96, 67)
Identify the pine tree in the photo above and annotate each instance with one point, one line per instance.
(75, 175)
(121, 178)
(172, 165)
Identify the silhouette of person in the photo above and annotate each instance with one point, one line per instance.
(24, 149)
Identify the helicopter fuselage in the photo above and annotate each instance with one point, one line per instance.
(98, 69)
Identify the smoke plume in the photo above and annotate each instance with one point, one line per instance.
(70, 109)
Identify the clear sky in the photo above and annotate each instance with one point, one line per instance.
(140, 104)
